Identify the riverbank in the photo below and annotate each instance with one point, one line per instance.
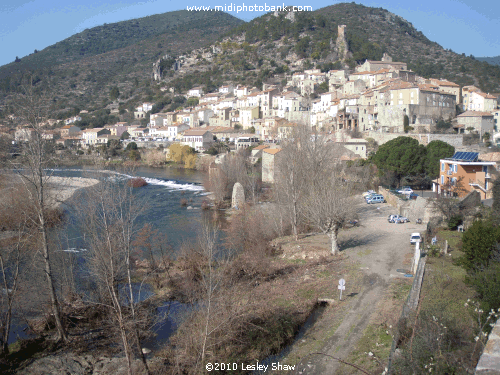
(63, 188)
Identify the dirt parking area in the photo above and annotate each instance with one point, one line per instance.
(382, 253)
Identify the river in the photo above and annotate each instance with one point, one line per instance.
(162, 201)
(161, 198)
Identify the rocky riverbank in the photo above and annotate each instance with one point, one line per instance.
(63, 188)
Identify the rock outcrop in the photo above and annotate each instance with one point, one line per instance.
(238, 196)
(63, 364)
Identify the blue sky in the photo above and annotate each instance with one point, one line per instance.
(468, 26)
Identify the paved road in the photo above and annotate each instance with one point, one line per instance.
(380, 247)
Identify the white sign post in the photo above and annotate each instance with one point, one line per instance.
(341, 287)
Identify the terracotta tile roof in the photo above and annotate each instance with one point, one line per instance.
(189, 133)
(261, 147)
(362, 73)
(272, 151)
(475, 114)
(486, 96)
(492, 156)
(444, 83)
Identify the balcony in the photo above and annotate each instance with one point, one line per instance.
(477, 183)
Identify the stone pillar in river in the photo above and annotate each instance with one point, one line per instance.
(238, 196)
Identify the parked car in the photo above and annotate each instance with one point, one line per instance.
(369, 192)
(405, 190)
(414, 238)
(376, 199)
(398, 219)
(371, 195)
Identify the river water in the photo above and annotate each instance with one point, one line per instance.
(162, 201)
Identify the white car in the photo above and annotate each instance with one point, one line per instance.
(414, 238)
(368, 193)
(405, 190)
(398, 219)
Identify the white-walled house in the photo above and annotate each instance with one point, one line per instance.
(161, 132)
(195, 92)
(89, 136)
(175, 129)
(227, 89)
(198, 139)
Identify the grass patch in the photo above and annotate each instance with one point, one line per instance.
(364, 252)
(306, 293)
(323, 274)
(454, 238)
(282, 302)
(400, 289)
(297, 261)
(376, 340)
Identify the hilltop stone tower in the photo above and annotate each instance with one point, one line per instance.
(342, 47)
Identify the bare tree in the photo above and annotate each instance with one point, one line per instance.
(329, 201)
(330, 205)
(292, 176)
(36, 158)
(13, 251)
(109, 220)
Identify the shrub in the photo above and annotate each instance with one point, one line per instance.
(433, 251)
(184, 202)
(137, 182)
(487, 285)
(134, 155)
(455, 221)
(478, 244)
(131, 146)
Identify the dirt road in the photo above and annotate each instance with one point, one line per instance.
(380, 248)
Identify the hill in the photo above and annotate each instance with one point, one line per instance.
(270, 45)
(215, 48)
(490, 60)
(83, 67)
(109, 37)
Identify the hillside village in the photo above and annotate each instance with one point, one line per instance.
(375, 102)
(243, 136)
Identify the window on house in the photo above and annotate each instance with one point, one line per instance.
(442, 180)
(442, 167)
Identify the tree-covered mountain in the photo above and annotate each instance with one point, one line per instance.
(81, 69)
(370, 32)
(490, 60)
(109, 37)
(219, 48)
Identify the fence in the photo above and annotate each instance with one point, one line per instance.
(410, 305)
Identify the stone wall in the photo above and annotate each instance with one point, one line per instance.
(456, 140)
(413, 209)
(489, 363)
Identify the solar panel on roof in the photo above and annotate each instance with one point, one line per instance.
(465, 156)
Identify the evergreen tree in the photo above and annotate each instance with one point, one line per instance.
(478, 245)
(496, 201)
